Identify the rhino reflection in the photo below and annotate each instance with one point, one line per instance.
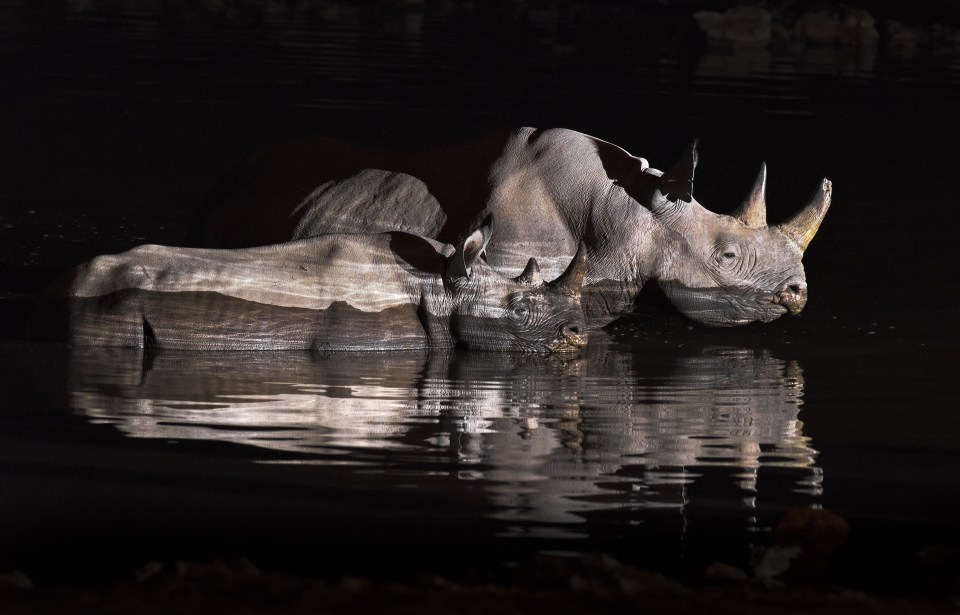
(626, 438)
(725, 407)
(548, 438)
(285, 401)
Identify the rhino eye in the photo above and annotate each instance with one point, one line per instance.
(727, 255)
(519, 310)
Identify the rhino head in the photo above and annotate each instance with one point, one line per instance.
(521, 314)
(725, 270)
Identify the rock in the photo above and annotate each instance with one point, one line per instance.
(806, 539)
(742, 26)
(850, 27)
(147, 571)
(903, 38)
(719, 571)
(858, 29)
(14, 582)
(219, 569)
(814, 530)
(945, 39)
(775, 561)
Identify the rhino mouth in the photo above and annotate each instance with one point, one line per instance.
(791, 299)
(568, 343)
(771, 303)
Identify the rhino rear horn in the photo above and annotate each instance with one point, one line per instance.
(570, 281)
(803, 226)
(530, 275)
(752, 213)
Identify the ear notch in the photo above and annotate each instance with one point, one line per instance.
(468, 251)
(676, 183)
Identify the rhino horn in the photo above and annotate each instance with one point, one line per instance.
(570, 281)
(803, 226)
(752, 213)
(530, 275)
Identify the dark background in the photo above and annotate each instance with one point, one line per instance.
(118, 118)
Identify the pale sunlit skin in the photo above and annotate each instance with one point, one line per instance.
(332, 292)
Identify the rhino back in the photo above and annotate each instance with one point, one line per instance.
(333, 292)
(311, 274)
(546, 190)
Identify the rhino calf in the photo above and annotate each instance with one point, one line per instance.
(331, 292)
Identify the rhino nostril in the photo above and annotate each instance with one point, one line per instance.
(793, 297)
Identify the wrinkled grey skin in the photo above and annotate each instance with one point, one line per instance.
(331, 292)
(549, 190)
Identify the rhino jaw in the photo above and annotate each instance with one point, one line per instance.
(792, 297)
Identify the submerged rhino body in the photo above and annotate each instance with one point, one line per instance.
(547, 191)
(332, 292)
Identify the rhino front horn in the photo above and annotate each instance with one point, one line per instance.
(752, 213)
(570, 281)
(802, 227)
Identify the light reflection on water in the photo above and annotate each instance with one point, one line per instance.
(547, 440)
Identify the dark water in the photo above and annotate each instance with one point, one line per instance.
(666, 444)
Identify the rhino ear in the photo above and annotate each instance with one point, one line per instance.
(676, 183)
(467, 252)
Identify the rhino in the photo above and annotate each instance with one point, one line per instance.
(548, 191)
(325, 293)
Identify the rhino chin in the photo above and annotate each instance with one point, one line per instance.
(716, 307)
(720, 317)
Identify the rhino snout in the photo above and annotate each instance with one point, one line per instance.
(573, 337)
(575, 334)
(793, 297)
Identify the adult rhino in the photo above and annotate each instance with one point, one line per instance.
(332, 292)
(547, 190)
